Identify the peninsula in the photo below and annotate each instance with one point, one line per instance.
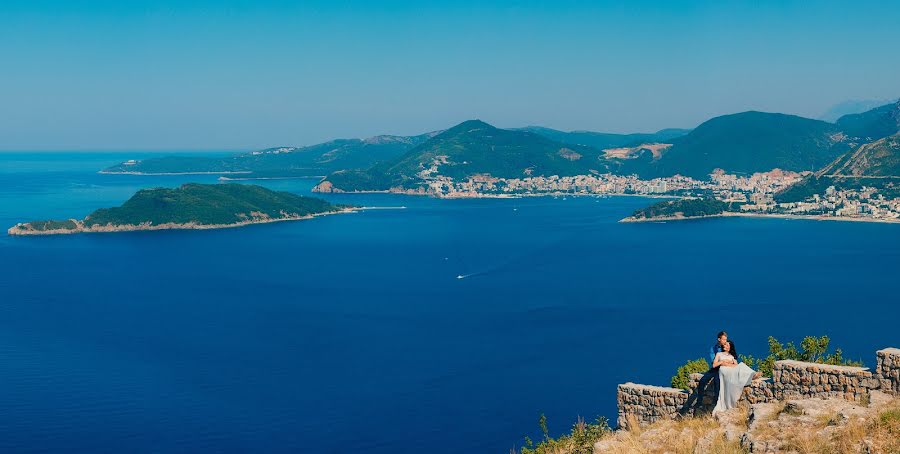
(190, 206)
(679, 209)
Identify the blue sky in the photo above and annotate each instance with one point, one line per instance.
(249, 74)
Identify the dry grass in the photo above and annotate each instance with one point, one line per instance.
(834, 433)
(834, 428)
(682, 436)
(880, 433)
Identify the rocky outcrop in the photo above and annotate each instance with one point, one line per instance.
(792, 426)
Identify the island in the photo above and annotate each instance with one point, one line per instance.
(191, 206)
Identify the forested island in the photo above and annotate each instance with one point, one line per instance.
(190, 206)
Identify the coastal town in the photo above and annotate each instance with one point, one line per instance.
(720, 185)
(753, 194)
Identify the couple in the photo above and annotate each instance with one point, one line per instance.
(733, 376)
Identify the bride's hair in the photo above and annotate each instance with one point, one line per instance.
(731, 349)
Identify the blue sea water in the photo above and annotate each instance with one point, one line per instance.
(352, 333)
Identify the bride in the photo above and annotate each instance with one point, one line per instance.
(733, 376)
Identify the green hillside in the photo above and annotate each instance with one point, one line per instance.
(875, 165)
(601, 140)
(313, 160)
(206, 204)
(745, 143)
(873, 124)
(475, 147)
(681, 208)
(202, 204)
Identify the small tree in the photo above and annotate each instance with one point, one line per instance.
(812, 349)
(580, 440)
(683, 375)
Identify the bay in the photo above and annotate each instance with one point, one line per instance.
(354, 332)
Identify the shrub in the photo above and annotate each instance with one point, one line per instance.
(683, 374)
(580, 440)
(812, 349)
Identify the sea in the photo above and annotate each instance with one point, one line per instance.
(445, 326)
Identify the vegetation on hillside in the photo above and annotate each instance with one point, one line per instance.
(473, 148)
(580, 440)
(67, 224)
(688, 208)
(866, 166)
(746, 143)
(207, 204)
(203, 204)
(601, 140)
(873, 124)
(740, 143)
(315, 160)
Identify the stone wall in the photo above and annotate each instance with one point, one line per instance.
(647, 403)
(703, 400)
(887, 370)
(801, 380)
(790, 380)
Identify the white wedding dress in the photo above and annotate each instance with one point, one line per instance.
(732, 381)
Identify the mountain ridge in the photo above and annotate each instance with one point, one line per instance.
(747, 142)
(470, 148)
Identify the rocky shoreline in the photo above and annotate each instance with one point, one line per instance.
(25, 228)
(726, 214)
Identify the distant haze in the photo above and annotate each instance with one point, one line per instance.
(240, 74)
(852, 107)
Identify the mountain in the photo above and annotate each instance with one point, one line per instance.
(876, 159)
(601, 140)
(873, 124)
(313, 160)
(472, 148)
(745, 143)
(189, 206)
(853, 106)
(875, 164)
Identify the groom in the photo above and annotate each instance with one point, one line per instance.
(721, 340)
(711, 377)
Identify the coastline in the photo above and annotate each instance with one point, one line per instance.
(816, 217)
(16, 231)
(104, 172)
(727, 214)
(265, 178)
(517, 195)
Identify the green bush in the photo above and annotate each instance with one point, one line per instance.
(812, 349)
(580, 440)
(890, 416)
(683, 375)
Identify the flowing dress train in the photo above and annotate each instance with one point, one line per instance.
(732, 381)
